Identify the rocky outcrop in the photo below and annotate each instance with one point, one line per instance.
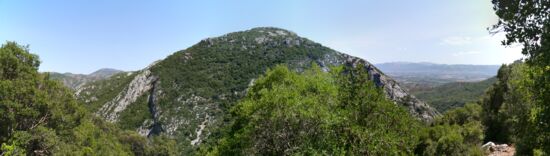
(498, 149)
(141, 84)
(199, 131)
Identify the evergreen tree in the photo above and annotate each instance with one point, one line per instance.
(496, 130)
(41, 117)
(317, 113)
(527, 23)
(35, 110)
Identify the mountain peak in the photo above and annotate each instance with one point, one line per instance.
(273, 31)
(105, 72)
(257, 37)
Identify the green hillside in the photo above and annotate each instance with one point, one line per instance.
(453, 95)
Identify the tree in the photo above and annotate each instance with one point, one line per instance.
(458, 132)
(527, 23)
(496, 130)
(34, 109)
(317, 113)
(508, 109)
(375, 123)
(40, 116)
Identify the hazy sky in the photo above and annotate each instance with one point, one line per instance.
(83, 36)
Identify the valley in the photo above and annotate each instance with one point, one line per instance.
(443, 86)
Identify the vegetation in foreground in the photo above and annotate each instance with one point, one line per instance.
(313, 113)
(41, 117)
(339, 113)
(527, 23)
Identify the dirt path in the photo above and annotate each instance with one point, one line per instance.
(508, 151)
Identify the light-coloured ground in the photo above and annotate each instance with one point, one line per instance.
(509, 151)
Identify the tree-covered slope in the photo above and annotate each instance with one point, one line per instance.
(452, 95)
(188, 94)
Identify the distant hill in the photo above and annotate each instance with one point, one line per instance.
(430, 74)
(104, 73)
(75, 81)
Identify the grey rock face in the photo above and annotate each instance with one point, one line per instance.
(142, 83)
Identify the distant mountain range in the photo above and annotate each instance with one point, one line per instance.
(75, 81)
(430, 74)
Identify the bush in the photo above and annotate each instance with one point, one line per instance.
(458, 132)
(286, 113)
(41, 117)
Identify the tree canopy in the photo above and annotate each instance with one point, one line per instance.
(41, 117)
(314, 112)
(527, 23)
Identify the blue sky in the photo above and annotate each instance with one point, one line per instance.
(83, 36)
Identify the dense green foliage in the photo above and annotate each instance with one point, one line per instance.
(508, 109)
(505, 114)
(135, 114)
(527, 23)
(458, 132)
(41, 117)
(313, 113)
(453, 95)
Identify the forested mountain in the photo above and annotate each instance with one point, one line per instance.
(188, 95)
